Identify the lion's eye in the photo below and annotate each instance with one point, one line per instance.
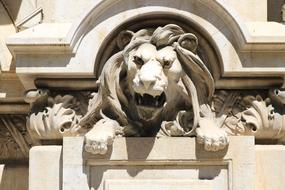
(138, 60)
(167, 64)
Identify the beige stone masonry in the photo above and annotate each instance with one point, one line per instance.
(132, 161)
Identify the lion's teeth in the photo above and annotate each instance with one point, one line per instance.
(140, 100)
(156, 103)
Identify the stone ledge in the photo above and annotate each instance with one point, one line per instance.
(234, 167)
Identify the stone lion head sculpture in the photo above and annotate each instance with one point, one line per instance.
(155, 85)
(152, 79)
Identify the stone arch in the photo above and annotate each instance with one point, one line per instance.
(221, 15)
(212, 20)
(225, 53)
(206, 51)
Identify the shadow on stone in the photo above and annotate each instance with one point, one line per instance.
(94, 182)
(138, 151)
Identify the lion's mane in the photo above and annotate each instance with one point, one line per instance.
(110, 98)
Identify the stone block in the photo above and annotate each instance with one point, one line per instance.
(45, 168)
(159, 163)
(14, 176)
(270, 167)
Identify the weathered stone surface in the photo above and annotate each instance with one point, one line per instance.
(177, 159)
(6, 29)
(14, 138)
(220, 23)
(270, 167)
(157, 184)
(14, 176)
(45, 168)
(268, 161)
(103, 75)
(244, 9)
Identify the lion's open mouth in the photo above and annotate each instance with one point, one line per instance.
(150, 101)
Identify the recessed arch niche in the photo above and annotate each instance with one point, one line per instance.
(206, 47)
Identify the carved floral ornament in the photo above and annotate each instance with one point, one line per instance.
(157, 85)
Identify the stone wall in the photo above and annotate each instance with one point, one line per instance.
(200, 84)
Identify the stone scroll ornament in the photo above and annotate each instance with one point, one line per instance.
(253, 115)
(156, 85)
(51, 118)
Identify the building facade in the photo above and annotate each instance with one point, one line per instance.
(147, 94)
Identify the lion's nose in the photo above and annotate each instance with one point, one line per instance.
(147, 81)
(149, 74)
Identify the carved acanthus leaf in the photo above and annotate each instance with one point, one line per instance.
(55, 121)
(255, 116)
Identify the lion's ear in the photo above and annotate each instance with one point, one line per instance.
(188, 41)
(124, 38)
